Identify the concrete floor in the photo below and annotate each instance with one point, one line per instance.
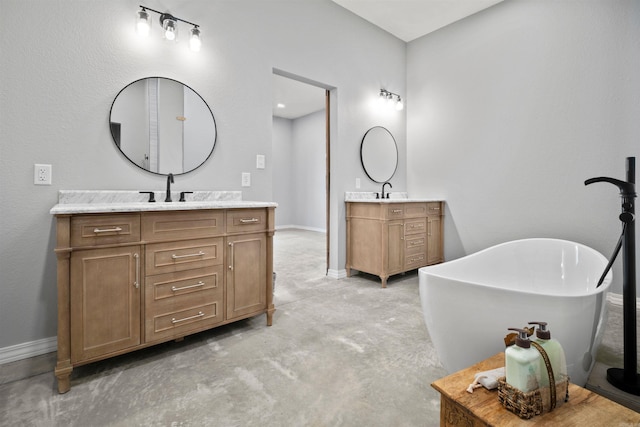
(339, 353)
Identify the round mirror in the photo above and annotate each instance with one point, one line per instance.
(379, 154)
(162, 126)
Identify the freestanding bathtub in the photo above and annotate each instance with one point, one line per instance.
(469, 303)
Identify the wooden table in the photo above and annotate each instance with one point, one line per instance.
(482, 408)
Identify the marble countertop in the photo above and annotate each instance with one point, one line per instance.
(74, 202)
(370, 197)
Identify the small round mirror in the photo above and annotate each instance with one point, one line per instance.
(379, 154)
(162, 126)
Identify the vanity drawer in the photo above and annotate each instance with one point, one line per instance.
(415, 226)
(179, 256)
(394, 211)
(434, 208)
(415, 210)
(246, 220)
(157, 226)
(415, 261)
(198, 282)
(177, 321)
(94, 230)
(415, 244)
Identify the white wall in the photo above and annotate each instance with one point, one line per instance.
(282, 158)
(299, 172)
(510, 110)
(309, 171)
(60, 76)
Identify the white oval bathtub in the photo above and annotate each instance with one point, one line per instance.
(469, 303)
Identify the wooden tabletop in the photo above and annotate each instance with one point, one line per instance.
(584, 408)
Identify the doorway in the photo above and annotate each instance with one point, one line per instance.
(300, 151)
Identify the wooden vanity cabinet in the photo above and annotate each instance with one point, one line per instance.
(387, 238)
(128, 281)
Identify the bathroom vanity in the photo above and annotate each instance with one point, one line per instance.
(391, 236)
(135, 274)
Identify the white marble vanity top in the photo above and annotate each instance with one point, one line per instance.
(78, 201)
(370, 197)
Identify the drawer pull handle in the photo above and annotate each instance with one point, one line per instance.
(174, 256)
(174, 320)
(137, 282)
(248, 220)
(174, 289)
(395, 211)
(107, 230)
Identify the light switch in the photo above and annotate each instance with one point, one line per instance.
(246, 179)
(260, 161)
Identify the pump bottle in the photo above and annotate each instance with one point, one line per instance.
(555, 352)
(522, 363)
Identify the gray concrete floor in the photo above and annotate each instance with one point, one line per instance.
(339, 353)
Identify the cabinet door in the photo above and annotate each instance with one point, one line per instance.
(395, 246)
(105, 301)
(246, 283)
(434, 240)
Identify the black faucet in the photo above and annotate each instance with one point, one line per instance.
(390, 186)
(169, 182)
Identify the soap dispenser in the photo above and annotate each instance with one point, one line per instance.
(522, 363)
(555, 352)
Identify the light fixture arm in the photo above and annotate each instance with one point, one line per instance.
(164, 15)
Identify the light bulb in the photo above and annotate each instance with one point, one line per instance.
(399, 104)
(170, 33)
(169, 26)
(143, 24)
(382, 98)
(194, 41)
(390, 101)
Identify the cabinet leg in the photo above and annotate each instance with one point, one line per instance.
(63, 374)
(384, 281)
(270, 312)
(348, 272)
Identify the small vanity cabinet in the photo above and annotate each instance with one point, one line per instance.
(390, 237)
(131, 280)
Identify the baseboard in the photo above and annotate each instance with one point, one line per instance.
(28, 349)
(336, 274)
(618, 300)
(300, 227)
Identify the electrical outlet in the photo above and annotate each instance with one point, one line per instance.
(260, 161)
(42, 174)
(246, 179)
(357, 182)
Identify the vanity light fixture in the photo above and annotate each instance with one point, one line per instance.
(390, 98)
(169, 25)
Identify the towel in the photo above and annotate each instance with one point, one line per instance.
(486, 379)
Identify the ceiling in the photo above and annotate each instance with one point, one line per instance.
(405, 19)
(410, 19)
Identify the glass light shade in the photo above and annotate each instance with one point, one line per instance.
(170, 29)
(194, 41)
(399, 104)
(390, 101)
(143, 23)
(382, 97)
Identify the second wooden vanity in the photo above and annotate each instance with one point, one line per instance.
(387, 237)
(128, 280)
